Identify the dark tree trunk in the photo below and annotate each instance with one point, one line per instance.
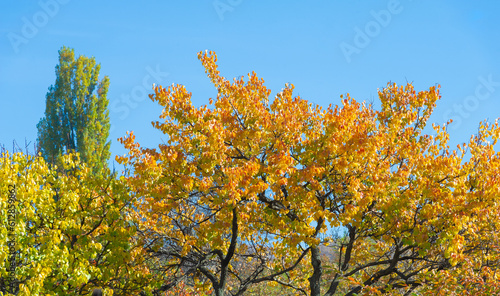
(315, 279)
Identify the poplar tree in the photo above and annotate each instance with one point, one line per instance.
(76, 113)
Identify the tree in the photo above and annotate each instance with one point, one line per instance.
(76, 116)
(74, 244)
(263, 181)
(199, 198)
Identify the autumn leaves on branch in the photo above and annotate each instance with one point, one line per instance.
(244, 193)
(245, 189)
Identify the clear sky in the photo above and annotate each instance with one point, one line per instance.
(325, 48)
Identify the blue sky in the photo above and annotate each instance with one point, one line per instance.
(325, 48)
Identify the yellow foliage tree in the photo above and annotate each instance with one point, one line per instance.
(71, 244)
(244, 191)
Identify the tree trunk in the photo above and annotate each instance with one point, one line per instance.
(219, 291)
(315, 279)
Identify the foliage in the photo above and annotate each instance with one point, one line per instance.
(241, 196)
(68, 246)
(246, 174)
(76, 116)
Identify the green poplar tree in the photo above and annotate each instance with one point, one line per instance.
(76, 113)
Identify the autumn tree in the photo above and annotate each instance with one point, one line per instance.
(244, 191)
(401, 195)
(76, 115)
(74, 244)
(199, 197)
